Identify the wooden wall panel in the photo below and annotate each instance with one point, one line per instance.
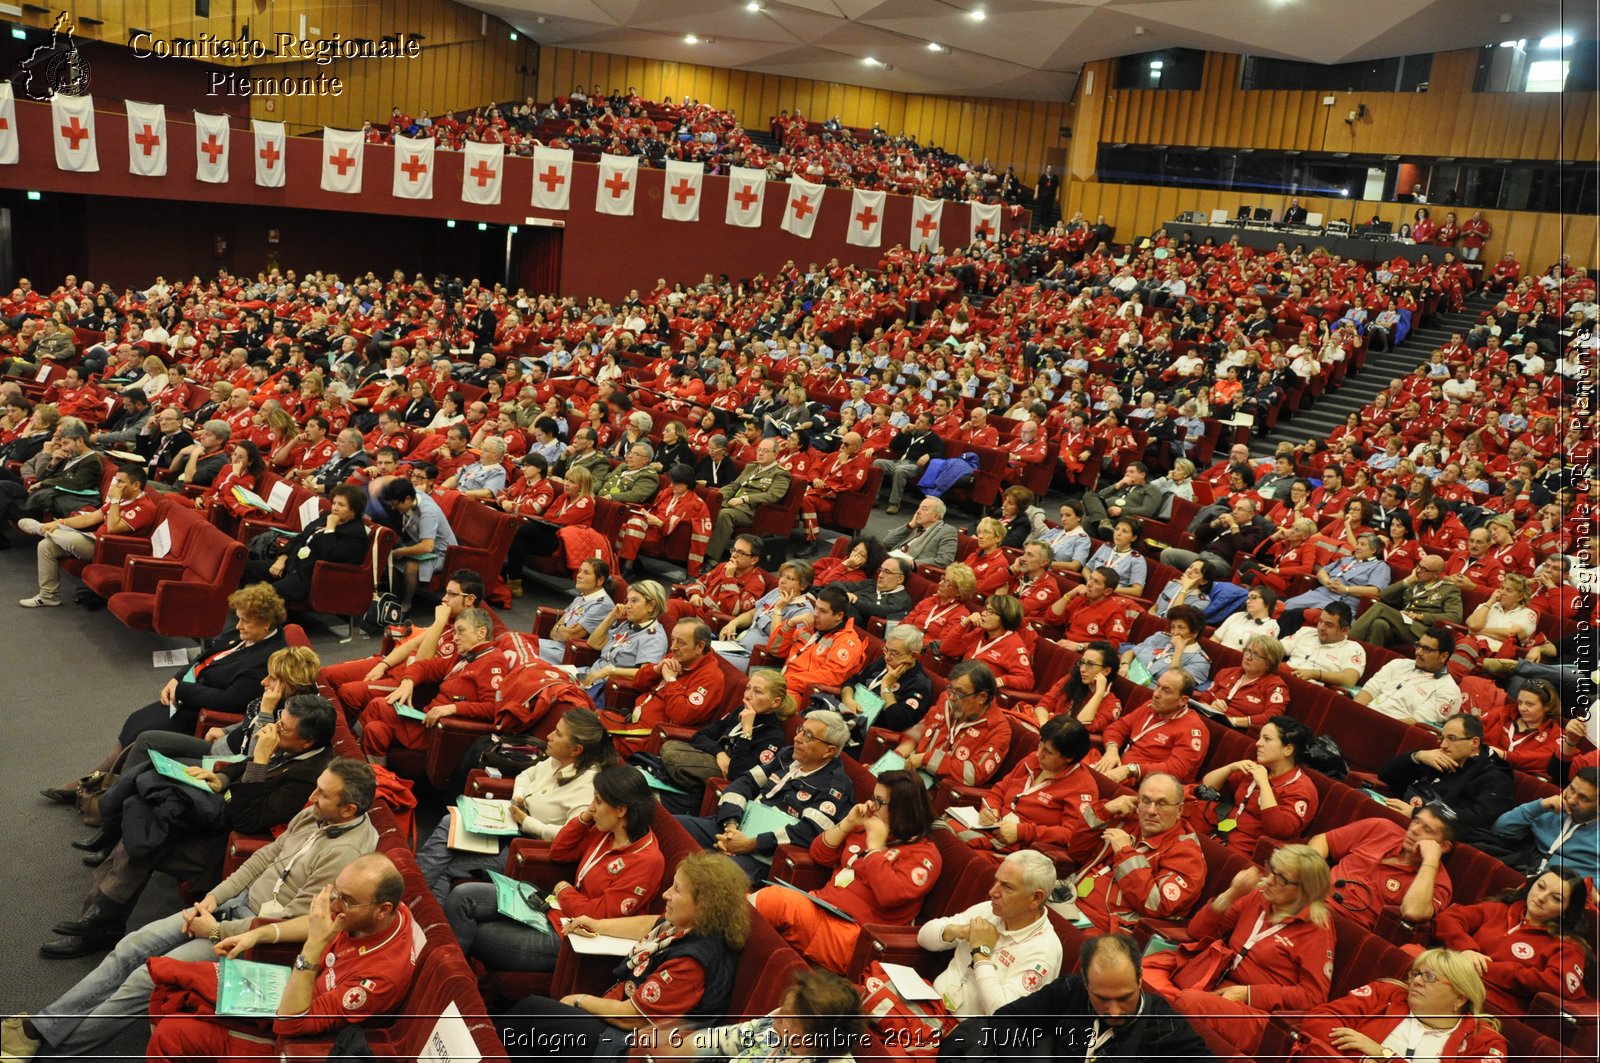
(1007, 132)
(1448, 119)
(1537, 239)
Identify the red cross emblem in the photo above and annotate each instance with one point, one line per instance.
(269, 152)
(927, 225)
(414, 168)
(868, 218)
(148, 140)
(802, 207)
(483, 172)
(683, 191)
(746, 196)
(213, 148)
(617, 184)
(552, 179)
(75, 132)
(342, 160)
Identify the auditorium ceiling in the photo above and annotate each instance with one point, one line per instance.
(1023, 49)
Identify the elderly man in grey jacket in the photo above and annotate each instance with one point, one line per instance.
(926, 539)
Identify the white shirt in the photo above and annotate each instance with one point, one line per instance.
(1024, 961)
(1240, 628)
(1304, 650)
(1404, 691)
(1521, 619)
(1412, 1041)
(549, 801)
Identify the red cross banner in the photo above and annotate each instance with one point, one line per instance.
(413, 168)
(211, 148)
(8, 125)
(341, 160)
(985, 221)
(72, 119)
(746, 192)
(619, 179)
(147, 139)
(268, 152)
(680, 195)
(552, 178)
(925, 215)
(866, 219)
(483, 173)
(800, 215)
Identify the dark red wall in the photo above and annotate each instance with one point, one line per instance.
(116, 75)
(603, 255)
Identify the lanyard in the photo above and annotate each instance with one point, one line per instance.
(1251, 789)
(982, 646)
(600, 852)
(1261, 932)
(1513, 741)
(1156, 722)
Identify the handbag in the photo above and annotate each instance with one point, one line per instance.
(93, 786)
(385, 610)
(1203, 968)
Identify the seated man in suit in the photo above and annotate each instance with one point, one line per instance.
(1131, 496)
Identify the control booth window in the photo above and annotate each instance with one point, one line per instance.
(1171, 68)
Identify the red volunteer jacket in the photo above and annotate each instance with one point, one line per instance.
(967, 753)
(1155, 878)
(1375, 1009)
(1174, 744)
(610, 882)
(1523, 959)
(1289, 971)
(885, 886)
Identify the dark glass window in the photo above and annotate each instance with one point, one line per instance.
(1405, 73)
(1556, 63)
(1174, 68)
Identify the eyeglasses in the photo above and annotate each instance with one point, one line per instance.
(1428, 977)
(743, 553)
(346, 902)
(1277, 876)
(958, 696)
(1145, 802)
(878, 802)
(1454, 738)
(809, 737)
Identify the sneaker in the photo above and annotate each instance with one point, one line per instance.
(37, 600)
(29, 526)
(14, 1043)
(892, 510)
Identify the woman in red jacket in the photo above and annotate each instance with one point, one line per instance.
(1250, 694)
(1529, 942)
(1085, 691)
(1271, 795)
(1435, 1014)
(938, 615)
(1440, 531)
(243, 471)
(1265, 945)
(886, 866)
(988, 561)
(993, 635)
(619, 866)
(1040, 803)
(1528, 732)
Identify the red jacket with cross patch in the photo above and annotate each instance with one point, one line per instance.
(470, 681)
(1375, 1009)
(967, 753)
(1174, 744)
(610, 883)
(688, 702)
(885, 886)
(1156, 878)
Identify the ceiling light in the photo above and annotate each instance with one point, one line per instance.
(1139, 31)
(513, 36)
(689, 38)
(483, 226)
(869, 60)
(1506, 17)
(935, 46)
(977, 14)
(753, 7)
(1556, 40)
(1156, 64)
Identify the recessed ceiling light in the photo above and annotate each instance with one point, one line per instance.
(869, 60)
(1506, 17)
(753, 7)
(1556, 40)
(935, 46)
(689, 38)
(977, 14)
(1156, 64)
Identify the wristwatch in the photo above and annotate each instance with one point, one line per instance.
(982, 950)
(301, 963)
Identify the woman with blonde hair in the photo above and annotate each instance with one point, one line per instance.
(989, 564)
(938, 615)
(750, 735)
(573, 507)
(1264, 945)
(1435, 1013)
(680, 968)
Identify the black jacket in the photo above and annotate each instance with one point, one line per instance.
(347, 545)
(1478, 792)
(228, 684)
(1056, 1022)
(716, 474)
(767, 739)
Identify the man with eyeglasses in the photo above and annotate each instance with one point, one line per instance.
(358, 961)
(965, 737)
(897, 679)
(1101, 1012)
(803, 791)
(761, 483)
(683, 689)
(925, 538)
(357, 682)
(887, 598)
(1347, 579)
(1152, 868)
(1163, 735)
(1463, 773)
(1379, 864)
(1404, 611)
(278, 883)
(1474, 566)
(1420, 690)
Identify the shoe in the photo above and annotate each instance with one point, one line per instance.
(516, 587)
(892, 510)
(93, 845)
(37, 600)
(1497, 666)
(95, 859)
(28, 525)
(807, 549)
(60, 795)
(14, 1041)
(70, 947)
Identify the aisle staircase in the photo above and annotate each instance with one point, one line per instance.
(1331, 409)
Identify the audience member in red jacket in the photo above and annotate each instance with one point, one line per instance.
(683, 689)
(1153, 868)
(965, 736)
(1439, 1020)
(1265, 944)
(886, 865)
(1041, 801)
(1162, 735)
(994, 635)
(468, 683)
(1271, 795)
(1528, 943)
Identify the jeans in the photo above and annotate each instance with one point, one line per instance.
(502, 944)
(117, 993)
(541, 1028)
(439, 863)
